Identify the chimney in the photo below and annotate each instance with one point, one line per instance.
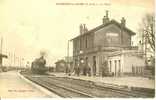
(81, 29)
(123, 22)
(105, 18)
(106, 13)
(85, 28)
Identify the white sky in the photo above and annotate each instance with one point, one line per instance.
(28, 26)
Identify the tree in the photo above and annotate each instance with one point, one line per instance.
(148, 32)
(105, 69)
(147, 28)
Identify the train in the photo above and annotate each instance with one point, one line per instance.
(38, 66)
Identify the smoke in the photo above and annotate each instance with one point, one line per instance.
(43, 53)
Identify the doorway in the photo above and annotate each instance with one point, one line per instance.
(94, 65)
(115, 68)
(119, 72)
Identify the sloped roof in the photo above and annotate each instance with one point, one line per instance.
(3, 56)
(104, 25)
(60, 61)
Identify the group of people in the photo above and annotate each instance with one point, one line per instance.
(86, 71)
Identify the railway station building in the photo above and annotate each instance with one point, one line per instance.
(60, 66)
(109, 44)
(1, 60)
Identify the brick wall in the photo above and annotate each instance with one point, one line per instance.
(111, 36)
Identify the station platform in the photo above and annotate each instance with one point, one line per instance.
(12, 85)
(136, 82)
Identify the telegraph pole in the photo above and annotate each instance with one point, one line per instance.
(1, 44)
(1, 51)
(68, 66)
(14, 58)
(68, 51)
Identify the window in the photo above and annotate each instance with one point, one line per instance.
(119, 66)
(86, 60)
(110, 66)
(86, 42)
(115, 67)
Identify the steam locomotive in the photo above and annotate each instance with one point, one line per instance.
(38, 66)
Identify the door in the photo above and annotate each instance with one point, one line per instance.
(115, 68)
(94, 65)
(119, 72)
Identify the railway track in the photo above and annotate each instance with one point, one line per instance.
(58, 89)
(101, 91)
(67, 87)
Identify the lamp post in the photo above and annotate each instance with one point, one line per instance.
(22, 63)
(68, 65)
